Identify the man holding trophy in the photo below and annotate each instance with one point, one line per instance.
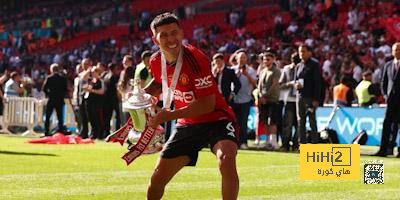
(182, 73)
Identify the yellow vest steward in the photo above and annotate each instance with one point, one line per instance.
(362, 92)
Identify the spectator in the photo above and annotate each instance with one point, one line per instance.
(111, 98)
(55, 88)
(124, 87)
(391, 91)
(288, 91)
(3, 79)
(95, 92)
(365, 90)
(13, 86)
(142, 69)
(227, 81)
(357, 71)
(269, 92)
(234, 18)
(82, 100)
(75, 97)
(103, 70)
(308, 79)
(243, 100)
(343, 93)
(127, 73)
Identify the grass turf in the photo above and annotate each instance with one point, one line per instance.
(95, 171)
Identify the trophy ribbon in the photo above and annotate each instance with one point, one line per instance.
(144, 141)
(121, 134)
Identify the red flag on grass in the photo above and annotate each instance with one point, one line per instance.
(60, 138)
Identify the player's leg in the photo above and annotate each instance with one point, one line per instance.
(163, 173)
(180, 150)
(225, 151)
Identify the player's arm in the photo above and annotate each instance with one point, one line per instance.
(153, 88)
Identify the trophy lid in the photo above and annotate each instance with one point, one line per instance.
(139, 99)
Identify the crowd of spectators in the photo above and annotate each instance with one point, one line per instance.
(38, 27)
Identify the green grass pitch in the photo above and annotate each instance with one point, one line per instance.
(95, 171)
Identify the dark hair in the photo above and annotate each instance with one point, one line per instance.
(241, 50)
(232, 59)
(14, 74)
(253, 58)
(129, 74)
(102, 65)
(305, 47)
(270, 52)
(367, 73)
(295, 58)
(163, 19)
(111, 66)
(145, 54)
(218, 55)
(344, 80)
(129, 57)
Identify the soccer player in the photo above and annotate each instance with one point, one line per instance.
(183, 74)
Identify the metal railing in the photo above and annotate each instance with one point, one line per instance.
(29, 112)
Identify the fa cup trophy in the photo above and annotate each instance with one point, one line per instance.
(142, 138)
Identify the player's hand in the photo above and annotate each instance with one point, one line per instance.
(161, 117)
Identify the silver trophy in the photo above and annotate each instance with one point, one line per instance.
(140, 106)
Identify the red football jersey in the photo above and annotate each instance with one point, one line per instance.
(195, 80)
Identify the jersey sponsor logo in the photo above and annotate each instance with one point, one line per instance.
(186, 97)
(184, 79)
(204, 82)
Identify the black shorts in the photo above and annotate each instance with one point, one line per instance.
(189, 140)
(269, 113)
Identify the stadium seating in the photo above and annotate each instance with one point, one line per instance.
(112, 31)
(156, 6)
